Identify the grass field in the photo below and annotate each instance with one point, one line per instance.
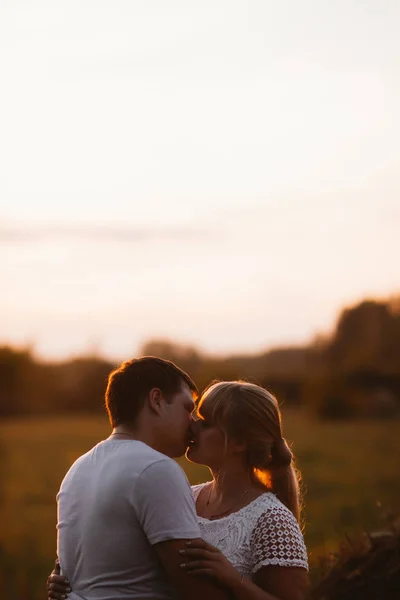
(347, 469)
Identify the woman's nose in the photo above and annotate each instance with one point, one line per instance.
(193, 425)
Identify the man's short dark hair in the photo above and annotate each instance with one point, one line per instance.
(129, 384)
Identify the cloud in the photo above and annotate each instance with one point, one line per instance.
(98, 234)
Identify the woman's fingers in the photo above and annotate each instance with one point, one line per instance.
(208, 572)
(53, 595)
(58, 579)
(196, 564)
(56, 587)
(197, 553)
(57, 568)
(200, 543)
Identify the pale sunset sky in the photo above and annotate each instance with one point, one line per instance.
(218, 172)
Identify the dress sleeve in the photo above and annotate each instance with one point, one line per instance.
(277, 540)
(196, 489)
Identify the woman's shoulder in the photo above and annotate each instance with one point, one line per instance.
(269, 507)
(276, 536)
(196, 489)
(270, 501)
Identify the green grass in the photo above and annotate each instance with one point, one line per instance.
(347, 469)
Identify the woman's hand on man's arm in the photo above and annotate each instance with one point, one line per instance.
(184, 585)
(57, 585)
(269, 583)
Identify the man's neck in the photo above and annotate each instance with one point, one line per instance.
(139, 434)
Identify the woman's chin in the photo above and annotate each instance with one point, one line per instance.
(191, 454)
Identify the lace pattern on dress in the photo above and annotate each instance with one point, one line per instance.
(277, 540)
(262, 533)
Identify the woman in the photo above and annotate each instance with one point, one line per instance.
(249, 513)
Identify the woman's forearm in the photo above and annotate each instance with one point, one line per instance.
(247, 590)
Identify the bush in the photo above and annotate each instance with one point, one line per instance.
(366, 568)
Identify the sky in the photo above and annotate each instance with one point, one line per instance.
(221, 173)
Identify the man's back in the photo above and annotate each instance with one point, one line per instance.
(115, 502)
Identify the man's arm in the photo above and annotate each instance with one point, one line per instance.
(163, 503)
(187, 587)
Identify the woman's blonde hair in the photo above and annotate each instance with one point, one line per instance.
(251, 414)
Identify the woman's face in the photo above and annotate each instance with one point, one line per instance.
(208, 446)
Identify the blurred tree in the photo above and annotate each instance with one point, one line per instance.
(366, 337)
(82, 383)
(17, 370)
(356, 371)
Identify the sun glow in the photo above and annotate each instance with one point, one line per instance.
(220, 173)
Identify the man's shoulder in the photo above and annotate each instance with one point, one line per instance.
(81, 460)
(137, 454)
(148, 453)
(128, 457)
(157, 464)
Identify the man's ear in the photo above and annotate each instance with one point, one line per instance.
(239, 445)
(155, 400)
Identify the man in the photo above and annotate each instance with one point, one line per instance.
(125, 508)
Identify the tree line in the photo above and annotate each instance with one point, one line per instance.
(353, 372)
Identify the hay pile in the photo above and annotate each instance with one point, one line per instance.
(366, 568)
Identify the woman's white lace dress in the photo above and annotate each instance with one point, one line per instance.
(264, 532)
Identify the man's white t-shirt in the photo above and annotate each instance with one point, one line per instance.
(114, 503)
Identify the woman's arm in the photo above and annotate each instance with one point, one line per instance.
(269, 582)
(286, 583)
